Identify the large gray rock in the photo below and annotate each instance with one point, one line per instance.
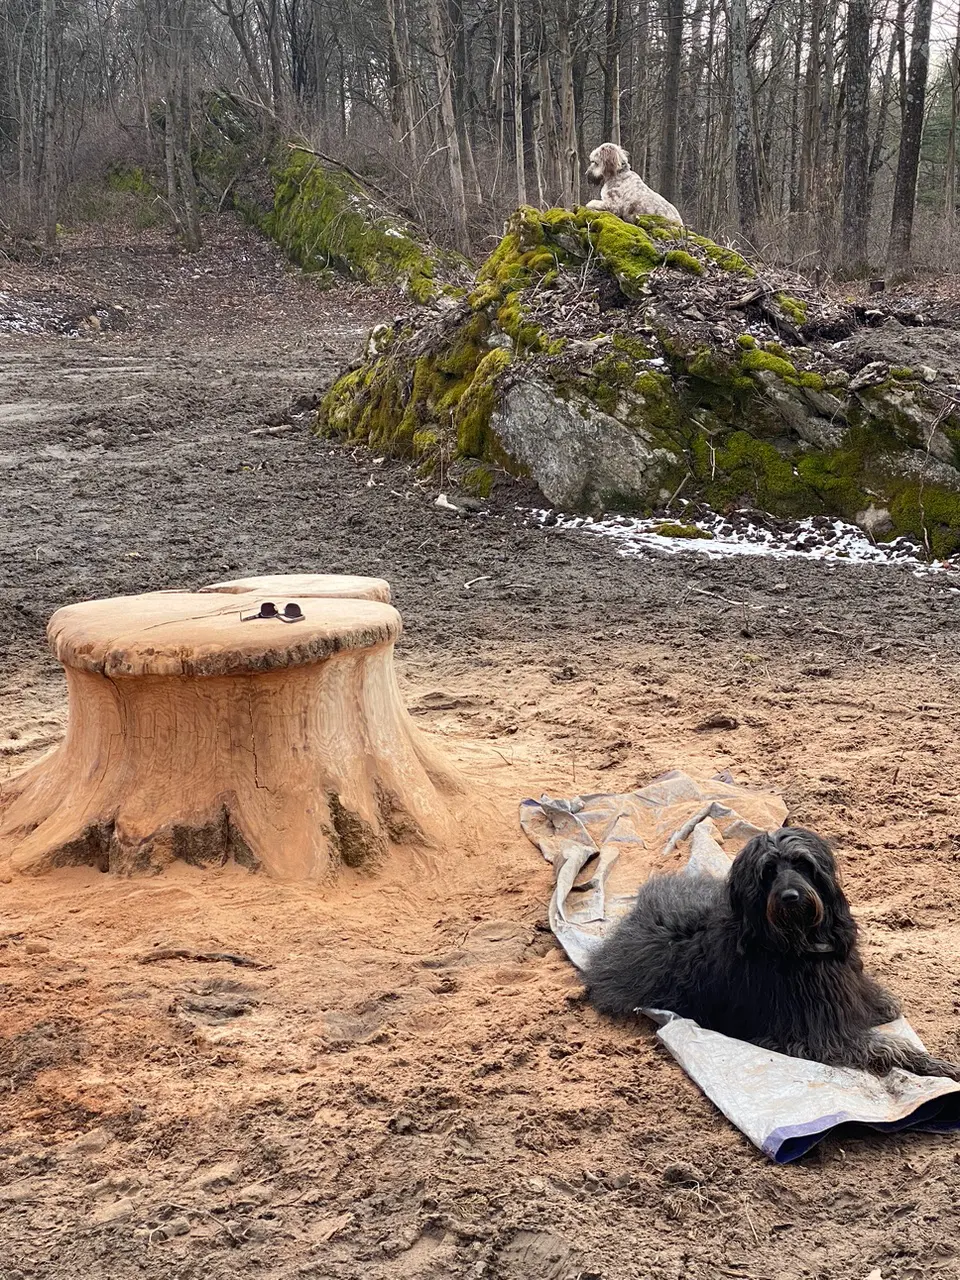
(581, 458)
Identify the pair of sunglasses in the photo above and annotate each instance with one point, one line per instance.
(290, 613)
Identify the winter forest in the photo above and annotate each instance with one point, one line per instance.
(820, 134)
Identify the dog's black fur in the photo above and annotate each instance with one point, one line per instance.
(768, 955)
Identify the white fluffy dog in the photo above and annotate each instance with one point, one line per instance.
(622, 191)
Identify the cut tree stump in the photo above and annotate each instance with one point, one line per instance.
(291, 586)
(194, 735)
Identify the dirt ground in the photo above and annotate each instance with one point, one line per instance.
(409, 1087)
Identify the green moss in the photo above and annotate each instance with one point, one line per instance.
(680, 260)
(478, 480)
(661, 412)
(710, 365)
(324, 220)
(836, 477)
(526, 335)
(929, 513)
(611, 375)
(756, 360)
(425, 442)
(747, 341)
(472, 416)
(626, 250)
(668, 530)
(132, 180)
(632, 347)
(727, 259)
(902, 373)
(794, 308)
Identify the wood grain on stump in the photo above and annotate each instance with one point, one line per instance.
(284, 586)
(193, 735)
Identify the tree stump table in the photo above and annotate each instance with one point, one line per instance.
(193, 735)
(292, 586)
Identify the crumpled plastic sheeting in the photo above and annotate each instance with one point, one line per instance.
(603, 847)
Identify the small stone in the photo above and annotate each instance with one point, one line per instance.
(718, 720)
(90, 1143)
(22, 1189)
(254, 1193)
(116, 1211)
(34, 948)
(218, 1175)
(113, 1183)
(176, 1227)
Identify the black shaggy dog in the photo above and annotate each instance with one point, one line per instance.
(768, 955)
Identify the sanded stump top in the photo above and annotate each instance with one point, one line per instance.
(182, 633)
(291, 586)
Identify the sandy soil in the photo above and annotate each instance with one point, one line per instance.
(409, 1086)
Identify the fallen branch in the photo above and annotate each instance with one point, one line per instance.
(207, 957)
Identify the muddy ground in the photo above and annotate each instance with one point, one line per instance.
(411, 1088)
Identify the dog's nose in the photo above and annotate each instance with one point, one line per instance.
(790, 896)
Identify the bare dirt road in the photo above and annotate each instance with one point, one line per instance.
(411, 1088)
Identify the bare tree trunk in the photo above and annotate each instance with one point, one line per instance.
(641, 116)
(458, 88)
(569, 150)
(448, 122)
(611, 71)
(795, 126)
(49, 87)
(546, 123)
(190, 204)
(409, 94)
(883, 107)
(401, 115)
(172, 34)
(856, 210)
(809, 154)
(673, 58)
(908, 163)
(518, 106)
(950, 176)
(235, 13)
(745, 163)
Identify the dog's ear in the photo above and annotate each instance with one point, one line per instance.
(745, 887)
(839, 929)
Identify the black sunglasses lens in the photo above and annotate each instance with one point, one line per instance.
(268, 609)
(293, 610)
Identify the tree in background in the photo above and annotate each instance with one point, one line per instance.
(908, 160)
(797, 125)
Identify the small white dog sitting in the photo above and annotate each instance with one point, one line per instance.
(624, 192)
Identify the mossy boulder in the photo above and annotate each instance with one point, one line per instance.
(326, 220)
(613, 363)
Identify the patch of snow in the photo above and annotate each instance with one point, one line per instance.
(741, 534)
